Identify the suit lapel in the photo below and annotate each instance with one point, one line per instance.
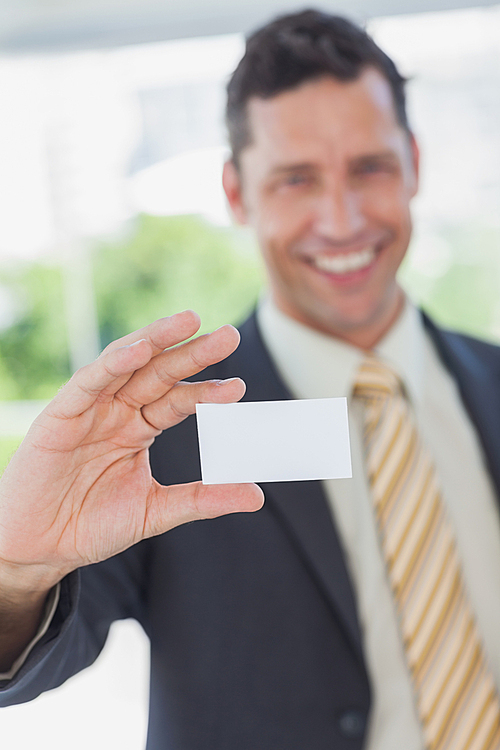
(479, 388)
(301, 507)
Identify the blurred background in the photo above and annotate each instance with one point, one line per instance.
(112, 214)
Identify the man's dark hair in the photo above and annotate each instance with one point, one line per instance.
(301, 47)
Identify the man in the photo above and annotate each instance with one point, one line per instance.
(287, 628)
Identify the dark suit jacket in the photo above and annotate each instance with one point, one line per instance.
(252, 618)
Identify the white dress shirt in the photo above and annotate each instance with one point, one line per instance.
(314, 365)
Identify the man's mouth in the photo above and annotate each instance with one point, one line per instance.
(345, 263)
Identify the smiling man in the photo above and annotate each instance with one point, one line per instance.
(355, 613)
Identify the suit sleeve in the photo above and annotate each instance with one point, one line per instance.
(90, 600)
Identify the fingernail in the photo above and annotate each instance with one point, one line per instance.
(226, 325)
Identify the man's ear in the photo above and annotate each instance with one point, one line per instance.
(231, 182)
(415, 161)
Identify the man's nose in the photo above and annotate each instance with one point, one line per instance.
(339, 214)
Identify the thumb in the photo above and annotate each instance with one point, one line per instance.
(180, 503)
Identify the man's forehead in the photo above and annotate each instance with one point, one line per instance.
(325, 112)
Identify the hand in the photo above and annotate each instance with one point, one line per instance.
(79, 489)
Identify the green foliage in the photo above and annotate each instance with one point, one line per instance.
(171, 264)
(33, 351)
(463, 294)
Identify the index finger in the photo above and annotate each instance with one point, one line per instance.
(161, 334)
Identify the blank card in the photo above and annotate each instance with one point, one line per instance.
(274, 441)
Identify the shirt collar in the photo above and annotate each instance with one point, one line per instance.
(403, 348)
(315, 365)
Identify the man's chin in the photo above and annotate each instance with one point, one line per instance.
(359, 325)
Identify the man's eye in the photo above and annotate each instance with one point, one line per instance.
(296, 179)
(370, 168)
(375, 167)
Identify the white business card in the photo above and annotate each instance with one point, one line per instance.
(274, 441)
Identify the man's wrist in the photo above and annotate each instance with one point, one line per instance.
(25, 585)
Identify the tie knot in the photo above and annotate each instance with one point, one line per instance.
(376, 380)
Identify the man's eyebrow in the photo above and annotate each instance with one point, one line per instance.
(285, 168)
(376, 156)
(389, 154)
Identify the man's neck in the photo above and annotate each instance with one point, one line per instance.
(364, 337)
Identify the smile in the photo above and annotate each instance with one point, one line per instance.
(345, 263)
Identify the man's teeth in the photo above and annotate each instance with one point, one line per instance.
(345, 263)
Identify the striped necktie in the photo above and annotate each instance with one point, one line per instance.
(455, 694)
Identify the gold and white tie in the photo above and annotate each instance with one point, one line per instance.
(455, 694)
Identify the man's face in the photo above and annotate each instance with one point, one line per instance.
(326, 183)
